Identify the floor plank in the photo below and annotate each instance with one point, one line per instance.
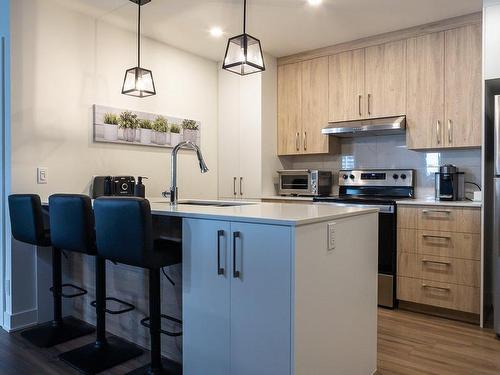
(408, 344)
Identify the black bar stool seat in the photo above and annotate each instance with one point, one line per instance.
(124, 234)
(28, 226)
(72, 220)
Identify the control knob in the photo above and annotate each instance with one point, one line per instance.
(395, 176)
(403, 176)
(351, 177)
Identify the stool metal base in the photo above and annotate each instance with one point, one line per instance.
(169, 367)
(49, 334)
(91, 359)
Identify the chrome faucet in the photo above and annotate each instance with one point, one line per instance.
(174, 191)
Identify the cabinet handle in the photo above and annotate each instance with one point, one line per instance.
(438, 131)
(236, 273)
(305, 141)
(438, 237)
(234, 186)
(360, 97)
(369, 99)
(435, 287)
(220, 270)
(436, 262)
(297, 141)
(450, 137)
(436, 212)
(241, 186)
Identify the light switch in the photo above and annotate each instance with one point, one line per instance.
(331, 236)
(41, 175)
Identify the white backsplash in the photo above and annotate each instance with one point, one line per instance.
(391, 152)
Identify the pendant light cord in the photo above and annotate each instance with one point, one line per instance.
(139, 36)
(244, 16)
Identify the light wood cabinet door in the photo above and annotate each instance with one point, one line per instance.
(425, 91)
(463, 86)
(347, 86)
(289, 109)
(385, 79)
(314, 106)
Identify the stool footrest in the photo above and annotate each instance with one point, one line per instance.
(145, 323)
(80, 292)
(129, 307)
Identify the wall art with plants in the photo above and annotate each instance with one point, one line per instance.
(115, 125)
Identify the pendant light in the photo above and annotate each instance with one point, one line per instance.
(139, 81)
(244, 53)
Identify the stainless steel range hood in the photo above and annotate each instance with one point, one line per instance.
(375, 126)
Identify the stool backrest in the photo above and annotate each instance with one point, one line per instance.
(72, 223)
(124, 229)
(26, 219)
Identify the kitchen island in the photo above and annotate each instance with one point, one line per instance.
(267, 288)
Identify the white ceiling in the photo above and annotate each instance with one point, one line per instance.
(283, 26)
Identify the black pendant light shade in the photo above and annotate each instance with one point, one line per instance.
(244, 53)
(138, 81)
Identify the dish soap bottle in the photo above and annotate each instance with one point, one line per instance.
(140, 189)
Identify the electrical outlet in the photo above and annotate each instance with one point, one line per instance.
(42, 175)
(331, 236)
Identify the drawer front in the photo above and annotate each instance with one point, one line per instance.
(446, 219)
(448, 270)
(449, 296)
(407, 217)
(407, 241)
(446, 244)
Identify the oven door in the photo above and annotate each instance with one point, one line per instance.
(295, 182)
(387, 252)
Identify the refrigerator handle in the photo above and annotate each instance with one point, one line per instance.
(497, 135)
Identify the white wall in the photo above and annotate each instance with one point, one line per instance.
(63, 62)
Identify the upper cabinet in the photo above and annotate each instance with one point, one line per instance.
(347, 86)
(368, 83)
(303, 107)
(444, 89)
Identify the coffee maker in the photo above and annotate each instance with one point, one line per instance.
(449, 183)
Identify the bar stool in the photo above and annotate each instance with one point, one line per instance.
(125, 235)
(72, 223)
(28, 226)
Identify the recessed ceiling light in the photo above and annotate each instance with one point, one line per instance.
(216, 32)
(314, 3)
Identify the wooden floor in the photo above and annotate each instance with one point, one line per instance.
(408, 344)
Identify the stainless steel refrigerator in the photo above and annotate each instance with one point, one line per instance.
(495, 230)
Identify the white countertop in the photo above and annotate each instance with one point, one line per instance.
(433, 202)
(265, 213)
(288, 198)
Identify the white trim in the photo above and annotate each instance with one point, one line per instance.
(20, 320)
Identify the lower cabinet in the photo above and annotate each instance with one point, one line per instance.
(236, 298)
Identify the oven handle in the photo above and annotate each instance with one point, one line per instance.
(383, 208)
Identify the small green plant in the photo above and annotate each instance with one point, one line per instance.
(128, 120)
(145, 124)
(160, 124)
(110, 118)
(175, 128)
(190, 125)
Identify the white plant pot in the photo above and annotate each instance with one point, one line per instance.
(129, 134)
(161, 138)
(121, 135)
(190, 135)
(99, 130)
(169, 137)
(145, 136)
(175, 139)
(138, 135)
(111, 132)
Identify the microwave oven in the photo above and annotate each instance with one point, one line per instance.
(305, 182)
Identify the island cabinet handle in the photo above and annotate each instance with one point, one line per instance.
(236, 273)
(220, 234)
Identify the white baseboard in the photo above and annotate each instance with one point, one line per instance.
(20, 320)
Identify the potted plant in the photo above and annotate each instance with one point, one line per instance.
(175, 134)
(146, 127)
(160, 127)
(190, 130)
(128, 122)
(110, 127)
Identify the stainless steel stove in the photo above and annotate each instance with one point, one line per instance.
(378, 188)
